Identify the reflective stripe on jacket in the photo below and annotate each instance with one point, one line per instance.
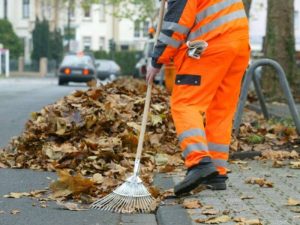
(188, 20)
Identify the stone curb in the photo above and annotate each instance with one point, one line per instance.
(168, 213)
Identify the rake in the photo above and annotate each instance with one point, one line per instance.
(132, 196)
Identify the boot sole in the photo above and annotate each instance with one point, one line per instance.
(217, 186)
(212, 172)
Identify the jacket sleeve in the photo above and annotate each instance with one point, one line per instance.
(179, 19)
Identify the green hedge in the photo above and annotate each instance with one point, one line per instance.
(125, 59)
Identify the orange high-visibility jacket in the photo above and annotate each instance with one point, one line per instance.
(188, 20)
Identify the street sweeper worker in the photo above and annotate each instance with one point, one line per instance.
(208, 40)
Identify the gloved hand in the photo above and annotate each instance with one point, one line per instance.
(151, 73)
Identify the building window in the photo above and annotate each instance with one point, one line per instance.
(87, 12)
(87, 43)
(124, 47)
(137, 28)
(26, 7)
(145, 28)
(101, 43)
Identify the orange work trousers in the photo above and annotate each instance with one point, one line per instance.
(211, 86)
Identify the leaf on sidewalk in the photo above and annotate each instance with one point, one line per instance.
(214, 220)
(278, 164)
(244, 197)
(295, 165)
(244, 221)
(293, 202)
(191, 204)
(262, 182)
(209, 212)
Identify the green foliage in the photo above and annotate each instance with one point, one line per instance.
(142, 8)
(9, 39)
(45, 43)
(125, 59)
(255, 139)
(56, 46)
(40, 39)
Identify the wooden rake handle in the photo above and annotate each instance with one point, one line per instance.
(148, 97)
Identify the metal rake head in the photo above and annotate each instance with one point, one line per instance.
(130, 197)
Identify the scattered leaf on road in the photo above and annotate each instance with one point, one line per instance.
(15, 211)
(16, 195)
(70, 206)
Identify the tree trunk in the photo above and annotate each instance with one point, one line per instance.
(280, 42)
(247, 4)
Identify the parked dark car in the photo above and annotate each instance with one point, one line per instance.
(107, 69)
(76, 68)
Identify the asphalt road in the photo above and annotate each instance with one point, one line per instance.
(21, 96)
(18, 98)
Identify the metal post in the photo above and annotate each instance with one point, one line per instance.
(7, 63)
(260, 95)
(283, 83)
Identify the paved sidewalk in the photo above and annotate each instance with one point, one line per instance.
(268, 204)
(280, 110)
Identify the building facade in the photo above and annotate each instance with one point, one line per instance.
(91, 28)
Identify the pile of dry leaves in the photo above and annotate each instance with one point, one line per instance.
(95, 133)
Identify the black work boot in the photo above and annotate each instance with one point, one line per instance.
(217, 183)
(196, 175)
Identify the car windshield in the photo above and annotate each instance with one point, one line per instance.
(76, 60)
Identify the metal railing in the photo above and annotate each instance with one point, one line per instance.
(251, 75)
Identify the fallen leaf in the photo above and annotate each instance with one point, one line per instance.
(17, 195)
(293, 202)
(68, 184)
(278, 164)
(214, 220)
(70, 206)
(2, 165)
(262, 182)
(156, 119)
(191, 204)
(244, 221)
(97, 178)
(15, 211)
(210, 212)
(244, 197)
(295, 165)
